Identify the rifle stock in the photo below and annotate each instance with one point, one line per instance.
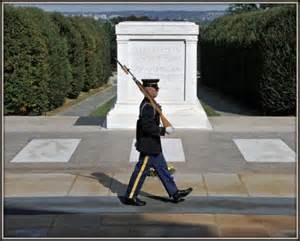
(166, 123)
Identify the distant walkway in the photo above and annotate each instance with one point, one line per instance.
(223, 104)
(87, 106)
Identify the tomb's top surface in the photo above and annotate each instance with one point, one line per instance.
(157, 28)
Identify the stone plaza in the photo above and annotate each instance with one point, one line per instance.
(232, 197)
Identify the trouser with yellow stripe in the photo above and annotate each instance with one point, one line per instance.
(141, 170)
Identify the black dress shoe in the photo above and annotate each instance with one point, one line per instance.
(177, 197)
(134, 201)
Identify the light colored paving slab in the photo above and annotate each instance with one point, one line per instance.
(240, 226)
(279, 225)
(243, 231)
(269, 184)
(196, 181)
(184, 219)
(172, 149)
(224, 184)
(154, 186)
(275, 225)
(88, 186)
(177, 231)
(237, 219)
(47, 150)
(157, 218)
(54, 184)
(253, 124)
(265, 150)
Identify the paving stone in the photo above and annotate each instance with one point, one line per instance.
(229, 225)
(279, 225)
(27, 225)
(115, 231)
(35, 177)
(168, 230)
(185, 218)
(269, 184)
(225, 219)
(88, 186)
(27, 232)
(54, 184)
(196, 181)
(76, 225)
(291, 233)
(123, 219)
(243, 231)
(220, 184)
(157, 218)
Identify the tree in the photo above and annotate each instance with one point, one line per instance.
(110, 30)
(270, 5)
(240, 8)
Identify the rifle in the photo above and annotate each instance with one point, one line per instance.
(154, 104)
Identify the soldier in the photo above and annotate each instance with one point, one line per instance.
(148, 143)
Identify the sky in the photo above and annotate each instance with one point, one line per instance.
(124, 7)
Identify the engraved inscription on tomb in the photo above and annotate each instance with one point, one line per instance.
(160, 59)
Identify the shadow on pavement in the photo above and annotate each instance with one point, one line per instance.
(91, 121)
(105, 225)
(119, 188)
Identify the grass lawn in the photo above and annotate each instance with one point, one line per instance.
(209, 110)
(102, 110)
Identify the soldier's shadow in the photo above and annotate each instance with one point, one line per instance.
(115, 186)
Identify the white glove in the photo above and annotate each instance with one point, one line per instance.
(170, 130)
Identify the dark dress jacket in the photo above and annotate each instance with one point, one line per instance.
(148, 131)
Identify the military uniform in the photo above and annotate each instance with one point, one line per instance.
(148, 143)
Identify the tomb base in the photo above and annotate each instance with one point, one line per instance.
(193, 116)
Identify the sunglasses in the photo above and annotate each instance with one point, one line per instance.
(154, 86)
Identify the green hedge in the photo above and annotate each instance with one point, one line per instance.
(75, 52)
(48, 57)
(26, 75)
(252, 56)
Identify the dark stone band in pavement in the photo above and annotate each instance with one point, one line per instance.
(108, 204)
